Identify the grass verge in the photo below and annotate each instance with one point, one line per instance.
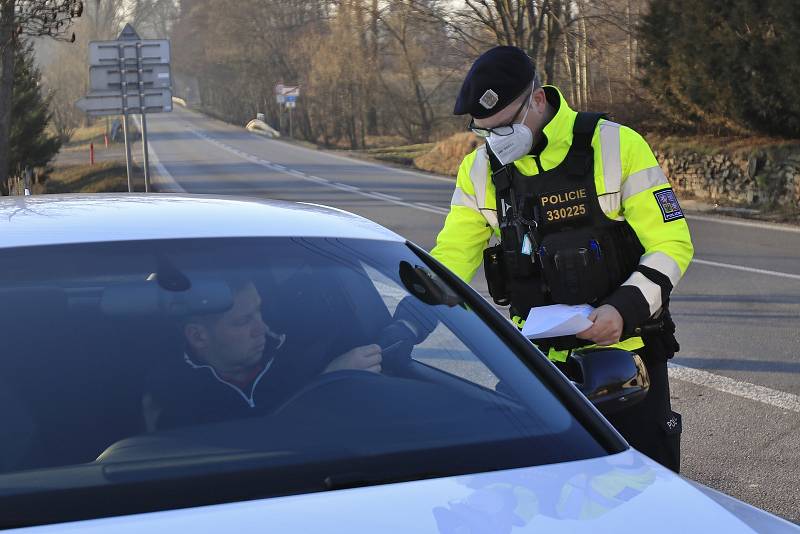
(400, 155)
(102, 177)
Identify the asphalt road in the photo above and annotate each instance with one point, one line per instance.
(737, 308)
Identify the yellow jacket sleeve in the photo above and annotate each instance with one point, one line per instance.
(652, 209)
(460, 244)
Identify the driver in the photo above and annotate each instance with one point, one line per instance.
(233, 367)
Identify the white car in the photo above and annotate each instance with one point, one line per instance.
(211, 364)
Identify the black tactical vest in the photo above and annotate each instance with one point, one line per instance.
(557, 246)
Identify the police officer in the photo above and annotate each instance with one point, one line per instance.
(583, 214)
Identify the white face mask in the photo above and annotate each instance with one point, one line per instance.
(514, 145)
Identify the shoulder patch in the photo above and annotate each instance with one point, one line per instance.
(668, 202)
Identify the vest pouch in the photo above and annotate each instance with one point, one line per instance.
(573, 267)
(493, 267)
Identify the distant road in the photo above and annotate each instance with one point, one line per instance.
(737, 308)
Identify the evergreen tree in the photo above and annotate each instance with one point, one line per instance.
(30, 143)
(730, 65)
(18, 18)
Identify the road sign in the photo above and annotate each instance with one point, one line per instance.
(128, 34)
(287, 90)
(110, 77)
(280, 99)
(291, 104)
(129, 75)
(109, 52)
(98, 103)
(291, 99)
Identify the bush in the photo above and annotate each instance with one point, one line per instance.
(729, 66)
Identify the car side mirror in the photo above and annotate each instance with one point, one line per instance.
(612, 379)
(426, 286)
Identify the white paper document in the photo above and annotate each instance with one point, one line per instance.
(557, 320)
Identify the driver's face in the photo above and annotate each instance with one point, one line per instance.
(238, 338)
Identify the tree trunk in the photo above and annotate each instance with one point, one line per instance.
(7, 45)
(629, 54)
(584, 62)
(553, 36)
(578, 73)
(372, 108)
(570, 70)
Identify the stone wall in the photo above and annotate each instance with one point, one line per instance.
(765, 177)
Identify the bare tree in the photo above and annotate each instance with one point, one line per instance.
(413, 76)
(373, 69)
(154, 18)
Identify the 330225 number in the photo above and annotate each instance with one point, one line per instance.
(558, 214)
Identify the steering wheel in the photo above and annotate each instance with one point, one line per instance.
(326, 379)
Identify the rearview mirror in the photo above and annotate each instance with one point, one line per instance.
(612, 379)
(147, 298)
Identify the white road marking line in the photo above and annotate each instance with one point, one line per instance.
(399, 202)
(163, 172)
(385, 196)
(160, 169)
(773, 397)
(351, 160)
(746, 269)
(750, 224)
(345, 187)
(321, 181)
(438, 209)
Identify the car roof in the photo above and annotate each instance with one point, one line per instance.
(90, 218)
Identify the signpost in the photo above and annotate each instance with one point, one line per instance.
(286, 96)
(129, 75)
(110, 102)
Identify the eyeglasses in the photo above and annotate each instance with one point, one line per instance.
(506, 129)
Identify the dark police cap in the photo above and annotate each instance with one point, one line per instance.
(496, 78)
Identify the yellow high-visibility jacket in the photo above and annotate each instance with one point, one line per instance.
(628, 180)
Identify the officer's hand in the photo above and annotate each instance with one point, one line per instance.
(607, 327)
(365, 358)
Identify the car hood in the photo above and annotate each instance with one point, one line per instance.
(618, 493)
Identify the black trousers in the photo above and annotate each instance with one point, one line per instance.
(651, 426)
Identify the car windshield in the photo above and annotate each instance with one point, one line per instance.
(175, 373)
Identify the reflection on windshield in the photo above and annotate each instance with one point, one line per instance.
(270, 355)
(576, 491)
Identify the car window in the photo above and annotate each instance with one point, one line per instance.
(250, 367)
(442, 349)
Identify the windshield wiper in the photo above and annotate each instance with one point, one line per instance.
(360, 479)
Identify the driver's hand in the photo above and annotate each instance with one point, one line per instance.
(365, 358)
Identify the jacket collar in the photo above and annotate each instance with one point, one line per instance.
(247, 398)
(558, 132)
(556, 135)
